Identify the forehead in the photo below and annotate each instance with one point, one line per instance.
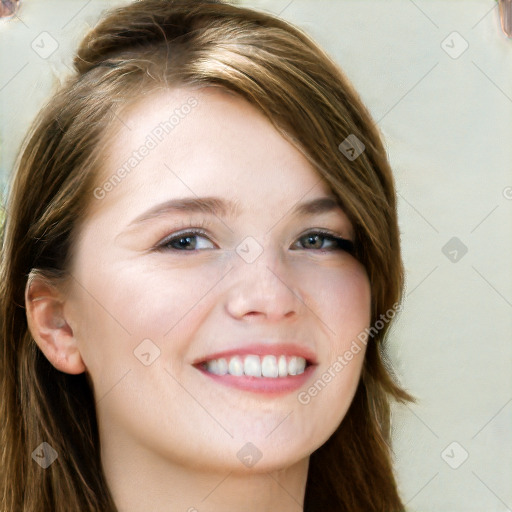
(202, 141)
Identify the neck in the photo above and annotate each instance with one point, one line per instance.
(140, 481)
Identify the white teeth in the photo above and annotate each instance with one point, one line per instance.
(222, 366)
(292, 366)
(269, 367)
(283, 366)
(255, 366)
(301, 365)
(213, 366)
(217, 366)
(252, 366)
(236, 367)
(296, 365)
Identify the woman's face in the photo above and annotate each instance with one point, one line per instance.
(147, 310)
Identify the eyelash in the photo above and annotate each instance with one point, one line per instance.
(342, 243)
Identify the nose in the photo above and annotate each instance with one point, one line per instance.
(264, 289)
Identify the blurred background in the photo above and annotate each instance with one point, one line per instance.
(436, 76)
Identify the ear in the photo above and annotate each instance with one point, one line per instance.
(44, 306)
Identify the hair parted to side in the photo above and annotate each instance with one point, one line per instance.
(134, 50)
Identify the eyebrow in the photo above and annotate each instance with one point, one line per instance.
(225, 208)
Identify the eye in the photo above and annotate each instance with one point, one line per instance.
(187, 241)
(316, 239)
(190, 241)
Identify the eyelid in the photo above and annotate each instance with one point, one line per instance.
(183, 227)
(325, 231)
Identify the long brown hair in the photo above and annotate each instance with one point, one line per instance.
(160, 43)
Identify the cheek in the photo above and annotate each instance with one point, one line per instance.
(341, 296)
(157, 299)
(342, 299)
(120, 304)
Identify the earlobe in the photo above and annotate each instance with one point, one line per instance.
(48, 326)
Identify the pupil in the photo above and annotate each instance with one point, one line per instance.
(311, 239)
(184, 241)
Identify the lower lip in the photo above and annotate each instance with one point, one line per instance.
(263, 385)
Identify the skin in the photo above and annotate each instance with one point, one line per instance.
(169, 434)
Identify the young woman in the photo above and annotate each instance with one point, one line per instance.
(200, 263)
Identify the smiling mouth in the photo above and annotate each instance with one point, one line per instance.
(251, 365)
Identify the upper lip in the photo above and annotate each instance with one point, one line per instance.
(263, 349)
